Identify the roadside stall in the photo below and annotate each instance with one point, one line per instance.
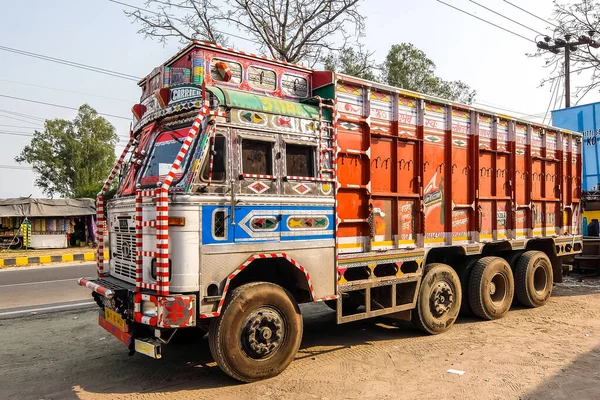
(46, 223)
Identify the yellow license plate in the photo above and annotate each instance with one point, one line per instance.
(114, 319)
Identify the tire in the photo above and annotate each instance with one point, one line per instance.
(439, 299)
(533, 279)
(512, 258)
(491, 288)
(258, 334)
(464, 272)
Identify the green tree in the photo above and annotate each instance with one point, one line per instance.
(407, 67)
(351, 61)
(72, 158)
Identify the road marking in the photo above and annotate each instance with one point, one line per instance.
(34, 283)
(31, 310)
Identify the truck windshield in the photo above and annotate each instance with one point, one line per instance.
(161, 158)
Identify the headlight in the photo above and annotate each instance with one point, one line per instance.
(149, 309)
(153, 269)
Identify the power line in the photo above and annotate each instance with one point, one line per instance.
(14, 118)
(533, 15)
(16, 133)
(501, 108)
(20, 167)
(63, 90)
(34, 117)
(486, 21)
(115, 74)
(19, 126)
(182, 21)
(60, 106)
(20, 133)
(505, 17)
(551, 97)
(574, 71)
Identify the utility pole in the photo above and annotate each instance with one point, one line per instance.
(569, 45)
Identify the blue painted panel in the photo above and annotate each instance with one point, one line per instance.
(207, 225)
(584, 119)
(248, 217)
(291, 223)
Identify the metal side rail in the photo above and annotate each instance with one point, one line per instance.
(95, 286)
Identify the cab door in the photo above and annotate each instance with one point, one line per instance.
(257, 208)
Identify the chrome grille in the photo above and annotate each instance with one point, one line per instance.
(124, 250)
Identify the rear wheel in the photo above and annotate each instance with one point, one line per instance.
(512, 258)
(464, 272)
(439, 299)
(258, 334)
(533, 279)
(491, 288)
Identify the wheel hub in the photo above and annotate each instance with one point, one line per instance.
(441, 298)
(492, 288)
(263, 334)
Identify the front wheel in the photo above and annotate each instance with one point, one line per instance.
(439, 299)
(258, 333)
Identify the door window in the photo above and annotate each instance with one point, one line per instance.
(257, 157)
(219, 161)
(299, 160)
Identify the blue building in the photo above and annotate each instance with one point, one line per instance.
(585, 119)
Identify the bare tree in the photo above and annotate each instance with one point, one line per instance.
(288, 30)
(576, 19)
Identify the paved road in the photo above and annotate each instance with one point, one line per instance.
(43, 289)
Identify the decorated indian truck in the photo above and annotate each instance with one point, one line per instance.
(250, 186)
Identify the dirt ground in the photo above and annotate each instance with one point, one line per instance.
(552, 352)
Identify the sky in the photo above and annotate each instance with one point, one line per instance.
(96, 32)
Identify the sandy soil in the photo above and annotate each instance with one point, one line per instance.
(549, 352)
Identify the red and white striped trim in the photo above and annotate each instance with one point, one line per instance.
(146, 253)
(108, 293)
(255, 176)
(162, 209)
(148, 193)
(138, 240)
(212, 155)
(149, 286)
(137, 309)
(100, 235)
(248, 262)
(326, 298)
(100, 207)
(216, 113)
(151, 223)
(306, 178)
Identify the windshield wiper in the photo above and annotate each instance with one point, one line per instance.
(178, 140)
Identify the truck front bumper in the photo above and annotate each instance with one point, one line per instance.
(124, 314)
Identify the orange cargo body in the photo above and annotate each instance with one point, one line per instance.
(416, 172)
